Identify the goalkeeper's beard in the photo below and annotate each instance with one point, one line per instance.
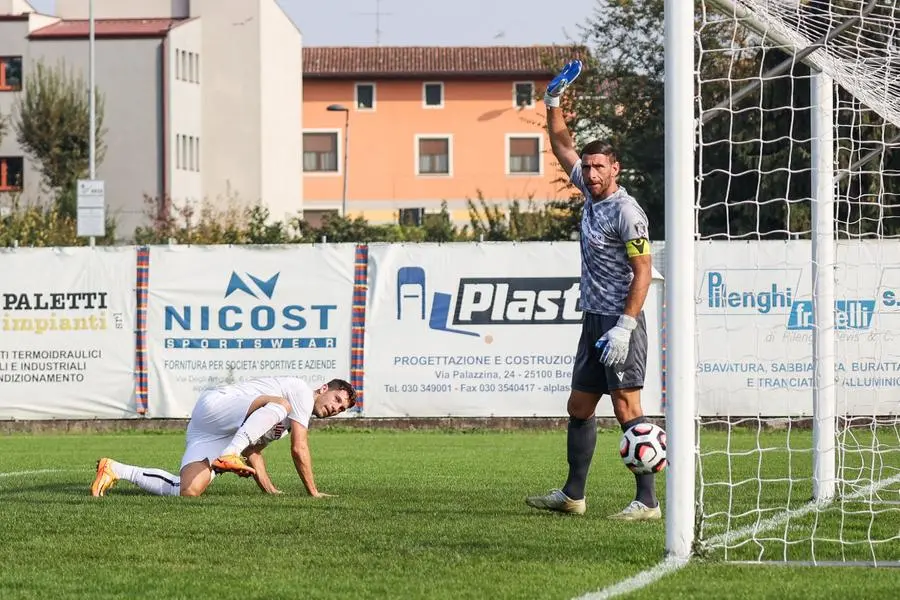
(599, 190)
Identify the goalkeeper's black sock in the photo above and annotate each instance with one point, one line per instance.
(646, 490)
(580, 444)
(645, 484)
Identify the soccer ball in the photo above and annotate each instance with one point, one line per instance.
(643, 448)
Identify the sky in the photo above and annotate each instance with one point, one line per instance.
(430, 22)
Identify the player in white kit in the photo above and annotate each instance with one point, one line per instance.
(230, 426)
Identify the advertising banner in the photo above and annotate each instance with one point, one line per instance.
(223, 314)
(755, 328)
(481, 330)
(67, 333)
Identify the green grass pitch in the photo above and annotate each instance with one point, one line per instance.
(418, 515)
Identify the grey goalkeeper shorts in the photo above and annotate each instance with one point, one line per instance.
(590, 375)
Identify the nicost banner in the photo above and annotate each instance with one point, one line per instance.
(226, 314)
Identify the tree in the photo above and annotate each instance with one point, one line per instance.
(869, 191)
(865, 157)
(619, 95)
(756, 166)
(438, 227)
(52, 122)
(754, 160)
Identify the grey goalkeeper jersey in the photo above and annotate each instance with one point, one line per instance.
(606, 226)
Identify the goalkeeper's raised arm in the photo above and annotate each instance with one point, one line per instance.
(560, 139)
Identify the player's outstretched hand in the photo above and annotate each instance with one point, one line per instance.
(563, 80)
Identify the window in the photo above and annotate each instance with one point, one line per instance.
(434, 155)
(193, 65)
(317, 217)
(433, 94)
(187, 153)
(411, 216)
(524, 154)
(184, 65)
(10, 73)
(365, 96)
(11, 171)
(320, 152)
(523, 93)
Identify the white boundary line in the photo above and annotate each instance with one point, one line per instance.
(36, 472)
(670, 565)
(642, 579)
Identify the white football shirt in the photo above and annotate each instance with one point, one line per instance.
(296, 391)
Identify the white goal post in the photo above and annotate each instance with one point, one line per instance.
(782, 162)
(680, 330)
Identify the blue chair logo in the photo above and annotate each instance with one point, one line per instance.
(414, 278)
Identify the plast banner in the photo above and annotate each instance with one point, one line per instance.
(755, 323)
(67, 333)
(480, 330)
(225, 314)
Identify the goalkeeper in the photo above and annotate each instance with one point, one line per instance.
(615, 277)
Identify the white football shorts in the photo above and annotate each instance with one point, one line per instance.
(215, 419)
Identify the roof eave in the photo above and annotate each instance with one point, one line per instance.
(431, 75)
(103, 36)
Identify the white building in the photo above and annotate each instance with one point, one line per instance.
(203, 99)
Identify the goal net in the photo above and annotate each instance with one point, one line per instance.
(797, 281)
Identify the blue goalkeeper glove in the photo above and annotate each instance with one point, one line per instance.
(558, 84)
(614, 344)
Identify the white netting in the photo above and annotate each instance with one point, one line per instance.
(854, 41)
(758, 500)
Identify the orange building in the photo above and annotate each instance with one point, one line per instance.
(424, 125)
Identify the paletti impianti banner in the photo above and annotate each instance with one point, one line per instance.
(67, 333)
